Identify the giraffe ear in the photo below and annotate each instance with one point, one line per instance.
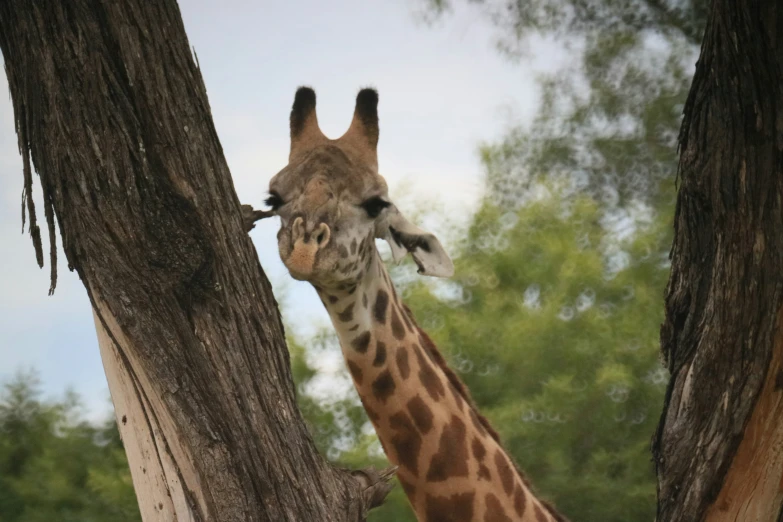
(406, 238)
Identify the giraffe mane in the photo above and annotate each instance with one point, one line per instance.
(458, 385)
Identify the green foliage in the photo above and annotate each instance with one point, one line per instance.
(552, 323)
(56, 466)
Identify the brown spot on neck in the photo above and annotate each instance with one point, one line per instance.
(397, 329)
(402, 362)
(520, 500)
(454, 508)
(495, 511)
(406, 442)
(429, 379)
(421, 414)
(381, 306)
(380, 354)
(347, 314)
(451, 459)
(361, 342)
(383, 386)
(479, 451)
(505, 472)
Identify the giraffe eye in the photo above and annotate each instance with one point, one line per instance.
(374, 206)
(274, 200)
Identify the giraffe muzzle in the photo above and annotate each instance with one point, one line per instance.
(301, 261)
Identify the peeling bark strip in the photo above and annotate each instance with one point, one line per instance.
(156, 477)
(112, 109)
(752, 488)
(717, 455)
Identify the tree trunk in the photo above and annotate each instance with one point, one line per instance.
(111, 107)
(719, 445)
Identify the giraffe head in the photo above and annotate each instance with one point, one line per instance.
(333, 203)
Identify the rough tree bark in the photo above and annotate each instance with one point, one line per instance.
(719, 445)
(111, 107)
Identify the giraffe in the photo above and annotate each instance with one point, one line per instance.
(332, 204)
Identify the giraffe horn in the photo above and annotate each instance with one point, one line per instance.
(305, 133)
(363, 133)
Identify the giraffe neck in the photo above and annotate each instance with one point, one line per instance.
(451, 464)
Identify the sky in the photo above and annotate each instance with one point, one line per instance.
(444, 90)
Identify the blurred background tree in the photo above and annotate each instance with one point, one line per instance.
(552, 319)
(609, 120)
(54, 465)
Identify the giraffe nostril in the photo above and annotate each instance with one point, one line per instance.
(297, 229)
(322, 235)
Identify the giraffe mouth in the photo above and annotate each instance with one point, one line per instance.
(301, 261)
